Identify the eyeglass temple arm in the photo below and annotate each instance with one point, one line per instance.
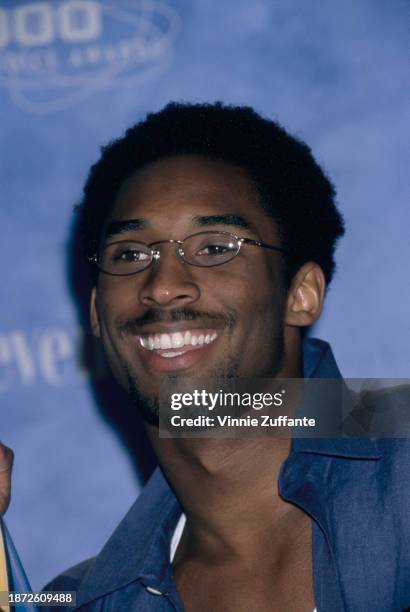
(262, 244)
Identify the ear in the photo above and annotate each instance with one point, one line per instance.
(306, 295)
(94, 318)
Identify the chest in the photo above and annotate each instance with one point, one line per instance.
(253, 585)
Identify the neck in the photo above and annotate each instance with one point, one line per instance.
(228, 488)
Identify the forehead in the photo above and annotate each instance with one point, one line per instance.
(171, 192)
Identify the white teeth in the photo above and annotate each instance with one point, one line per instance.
(166, 341)
(157, 342)
(143, 342)
(172, 354)
(175, 340)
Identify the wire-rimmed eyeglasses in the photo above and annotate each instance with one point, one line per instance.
(203, 249)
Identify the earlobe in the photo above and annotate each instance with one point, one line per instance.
(94, 319)
(305, 296)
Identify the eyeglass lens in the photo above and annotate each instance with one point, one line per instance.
(203, 249)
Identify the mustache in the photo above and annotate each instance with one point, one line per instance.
(132, 326)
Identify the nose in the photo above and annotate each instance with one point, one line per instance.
(170, 281)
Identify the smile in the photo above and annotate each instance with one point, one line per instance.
(170, 345)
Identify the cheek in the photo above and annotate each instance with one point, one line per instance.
(257, 298)
(261, 300)
(112, 308)
(251, 287)
(118, 354)
(116, 298)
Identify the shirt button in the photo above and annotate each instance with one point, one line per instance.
(153, 591)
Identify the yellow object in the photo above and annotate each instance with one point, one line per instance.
(4, 582)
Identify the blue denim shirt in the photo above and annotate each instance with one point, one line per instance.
(356, 490)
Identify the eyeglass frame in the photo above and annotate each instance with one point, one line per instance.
(156, 253)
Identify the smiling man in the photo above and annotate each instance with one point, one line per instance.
(211, 232)
(207, 298)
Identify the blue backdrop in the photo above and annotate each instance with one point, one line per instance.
(76, 73)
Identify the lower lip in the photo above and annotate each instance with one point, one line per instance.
(154, 360)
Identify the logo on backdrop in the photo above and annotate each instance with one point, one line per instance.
(55, 54)
(49, 355)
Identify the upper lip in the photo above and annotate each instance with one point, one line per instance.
(180, 326)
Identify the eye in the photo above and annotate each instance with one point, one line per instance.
(124, 254)
(214, 249)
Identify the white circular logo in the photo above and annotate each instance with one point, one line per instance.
(55, 54)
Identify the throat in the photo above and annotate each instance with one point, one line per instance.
(228, 488)
(272, 574)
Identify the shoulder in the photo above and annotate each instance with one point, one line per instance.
(384, 412)
(121, 558)
(70, 579)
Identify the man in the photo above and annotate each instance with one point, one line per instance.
(211, 233)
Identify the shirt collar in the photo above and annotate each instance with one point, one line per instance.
(139, 547)
(319, 362)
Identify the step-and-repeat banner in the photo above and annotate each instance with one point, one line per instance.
(76, 73)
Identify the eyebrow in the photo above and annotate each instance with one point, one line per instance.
(128, 225)
(228, 219)
(121, 227)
